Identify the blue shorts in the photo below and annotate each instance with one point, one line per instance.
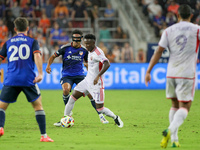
(9, 94)
(71, 80)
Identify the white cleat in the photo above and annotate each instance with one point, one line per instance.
(119, 122)
(57, 124)
(103, 119)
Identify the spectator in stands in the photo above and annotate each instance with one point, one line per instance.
(24, 2)
(119, 33)
(43, 46)
(32, 29)
(64, 38)
(9, 19)
(2, 9)
(110, 56)
(173, 7)
(170, 18)
(79, 11)
(28, 11)
(16, 9)
(158, 21)
(141, 56)
(3, 31)
(116, 51)
(55, 33)
(44, 23)
(154, 9)
(145, 4)
(109, 14)
(48, 8)
(63, 22)
(53, 50)
(104, 33)
(61, 10)
(103, 47)
(94, 14)
(127, 53)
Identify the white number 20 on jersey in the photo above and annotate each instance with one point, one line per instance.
(16, 50)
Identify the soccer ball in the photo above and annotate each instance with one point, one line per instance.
(67, 121)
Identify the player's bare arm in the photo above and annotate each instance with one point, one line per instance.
(156, 56)
(86, 65)
(50, 61)
(38, 62)
(106, 65)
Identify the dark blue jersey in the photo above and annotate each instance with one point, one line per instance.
(19, 51)
(72, 59)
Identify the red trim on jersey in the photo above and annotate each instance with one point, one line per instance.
(193, 87)
(180, 78)
(56, 54)
(37, 51)
(101, 94)
(101, 83)
(2, 56)
(197, 46)
(100, 66)
(97, 52)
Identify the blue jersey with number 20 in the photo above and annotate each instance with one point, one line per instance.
(19, 51)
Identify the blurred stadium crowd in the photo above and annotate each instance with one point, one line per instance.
(52, 21)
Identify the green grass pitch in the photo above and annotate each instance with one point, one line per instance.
(144, 113)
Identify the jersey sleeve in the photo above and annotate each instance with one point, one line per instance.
(164, 41)
(60, 52)
(101, 57)
(3, 52)
(36, 47)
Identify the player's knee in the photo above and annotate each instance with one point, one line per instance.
(66, 91)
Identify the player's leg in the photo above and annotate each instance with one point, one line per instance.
(78, 91)
(8, 95)
(33, 95)
(101, 117)
(98, 96)
(66, 86)
(173, 110)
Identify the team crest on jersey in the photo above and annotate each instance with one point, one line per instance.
(80, 52)
(91, 58)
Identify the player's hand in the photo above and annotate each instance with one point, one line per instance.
(96, 80)
(86, 65)
(38, 79)
(147, 78)
(48, 70)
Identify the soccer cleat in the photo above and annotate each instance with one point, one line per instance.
(175, 144)
(103, 119)
(47, 139)
(166, 137)
(119, 122)
(57, 124)
(1, 131)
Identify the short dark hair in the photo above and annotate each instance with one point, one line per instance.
(21, 24)
(77, 32)
(185, 11)
(90, 36)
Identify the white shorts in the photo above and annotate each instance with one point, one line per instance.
(96, 91)
(182, 89)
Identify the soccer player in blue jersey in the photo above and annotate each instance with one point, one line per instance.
(22, 53)
(73, 55)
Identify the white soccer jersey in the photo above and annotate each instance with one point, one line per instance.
(95, 63)
(182, 40)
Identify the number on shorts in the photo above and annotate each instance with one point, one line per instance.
(181, 40)
(16, 50)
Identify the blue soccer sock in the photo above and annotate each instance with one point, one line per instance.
(66, 98)
(94, 104)
(40, 117)
(2, 117)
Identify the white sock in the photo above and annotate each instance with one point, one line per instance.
(69, 106)
(107, 112)
(178, 120)
(174, 137)
(44, 135)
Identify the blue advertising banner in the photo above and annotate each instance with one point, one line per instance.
(151, 49)
(118, 76)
